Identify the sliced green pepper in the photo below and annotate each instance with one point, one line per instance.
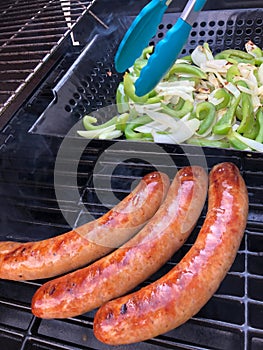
(231, 73)
(223, 125)
(187, 58)
(129, 90)
(118, 121)
(206, 112)
(222, 94)
(187, 69)
(89, 121)
(178, 113)
(235, 56)
(204, 142)
(257, 52)
(239, 113)
(147, 51)
(121, 121)
(258, 61)
(129, 132)
(259, 116)
(178, 105)
(138, 65)
(248, 117)
(154, 99)
(235, 142)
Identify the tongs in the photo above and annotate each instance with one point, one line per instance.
(166, 51)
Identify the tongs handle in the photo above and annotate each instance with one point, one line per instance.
(168, 49)
(140, 32)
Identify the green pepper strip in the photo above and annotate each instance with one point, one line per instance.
(121, 121)
(178, 105)
(258, 61)
(235, 142)
(206, 112)
(129, 132)
(249, 126)
(222, 93)
(154, 99)
(147, 51)
(129, 90)
(235, 54)
(257, 52)
(239, 114)
(203, 142)
(89, 121)
(138, 65)
(248, 117)
(118, 121)
(186, 108)
(187, 69)
(231, 73)
(259, 116)
(187, 58)
(223, 125)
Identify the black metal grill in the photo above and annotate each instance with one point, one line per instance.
(30, 32)
(81, 80)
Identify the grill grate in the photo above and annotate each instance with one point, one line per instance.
(232, 319)
(30, 32)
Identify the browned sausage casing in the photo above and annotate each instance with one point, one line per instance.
(180, 294)
(76, 248)
(125, 268)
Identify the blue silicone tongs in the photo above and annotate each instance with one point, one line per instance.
(166, 51)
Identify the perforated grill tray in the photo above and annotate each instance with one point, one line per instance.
(81, 90)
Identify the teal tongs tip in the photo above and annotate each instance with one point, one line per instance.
(139, 34)
(166, 51)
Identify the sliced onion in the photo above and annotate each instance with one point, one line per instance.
(215, 66)
(162, 138)
(150, 127)
(250, 47)
(246, 90)
(213, 100)
(256, 102)
(183, 132)
(163, 118)
(233, 89)
(186, 129)
(201, 54)
(142, 109)
(110, 135)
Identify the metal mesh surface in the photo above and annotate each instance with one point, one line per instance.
(232, 319)
(84, 90)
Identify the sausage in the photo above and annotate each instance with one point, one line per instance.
(170, 301)
(122, 270)
(80, 246)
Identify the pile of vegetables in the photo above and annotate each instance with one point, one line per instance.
(205, 99)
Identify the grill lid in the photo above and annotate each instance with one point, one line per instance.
(30, 34)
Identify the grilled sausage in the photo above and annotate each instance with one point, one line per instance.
(74, 249)
(173, 299)
(125, 268)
